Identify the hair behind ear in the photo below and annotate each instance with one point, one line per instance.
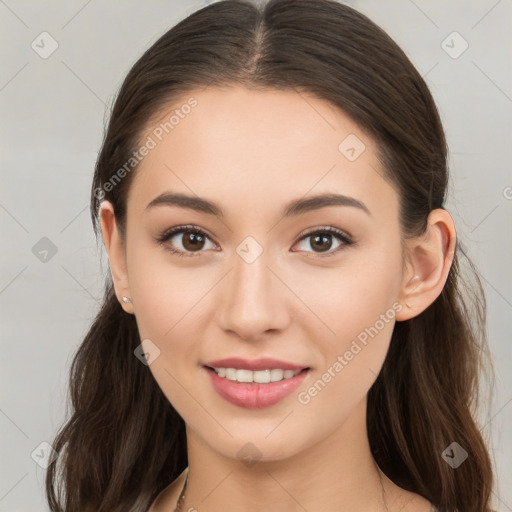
(421, 402)
(124, 441)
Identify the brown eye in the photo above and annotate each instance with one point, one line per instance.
(185, 241)
(193, 241)
(321, 243)
(323, 240)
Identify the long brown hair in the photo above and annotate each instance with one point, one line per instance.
(124, 442)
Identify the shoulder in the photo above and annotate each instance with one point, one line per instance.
(167, 498)
(407, 501)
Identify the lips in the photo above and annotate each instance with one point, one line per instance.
(254, 395)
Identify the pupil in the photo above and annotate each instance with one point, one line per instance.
(323, 242)
(193, 241)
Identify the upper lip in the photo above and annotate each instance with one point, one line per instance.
(264, 363)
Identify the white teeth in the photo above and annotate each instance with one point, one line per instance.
(244, 375)
(259, 376)
(276, 375)
(231, 374)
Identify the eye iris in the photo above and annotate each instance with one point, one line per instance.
(321, 242)
(193, 241)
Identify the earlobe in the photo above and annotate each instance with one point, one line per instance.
(429, 259)
(116, 254)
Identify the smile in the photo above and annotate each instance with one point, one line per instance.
(259, 377)
(243, 388)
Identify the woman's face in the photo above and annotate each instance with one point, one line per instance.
(273, 273)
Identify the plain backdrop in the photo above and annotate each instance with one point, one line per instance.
(53, 108)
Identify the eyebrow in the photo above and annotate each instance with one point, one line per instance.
(294, 207)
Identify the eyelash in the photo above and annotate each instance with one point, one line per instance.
(168, 234)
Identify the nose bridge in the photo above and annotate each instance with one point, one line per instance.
(252, 299)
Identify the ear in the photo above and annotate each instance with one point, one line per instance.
(116, 254)
(428, 261)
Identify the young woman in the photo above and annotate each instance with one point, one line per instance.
(283, 327)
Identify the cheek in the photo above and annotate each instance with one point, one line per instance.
(171, 312)
(166, 293)
(357, 305)
(353, 295)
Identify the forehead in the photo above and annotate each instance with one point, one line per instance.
(257, 149)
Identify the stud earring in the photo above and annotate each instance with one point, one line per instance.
(127, 300)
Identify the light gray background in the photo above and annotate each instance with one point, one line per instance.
(52, 116)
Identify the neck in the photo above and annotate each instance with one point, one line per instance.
(336, 473)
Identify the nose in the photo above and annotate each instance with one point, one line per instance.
(253, 301)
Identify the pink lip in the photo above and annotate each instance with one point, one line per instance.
(252, 395)
(256, 364)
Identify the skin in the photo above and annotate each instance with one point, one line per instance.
(252, 152)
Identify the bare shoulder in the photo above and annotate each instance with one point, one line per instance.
(406, 501)
(166, 500)
(416, 504)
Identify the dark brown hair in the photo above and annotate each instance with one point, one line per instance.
(124, 442)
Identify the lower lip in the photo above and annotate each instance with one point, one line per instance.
(254, 396)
